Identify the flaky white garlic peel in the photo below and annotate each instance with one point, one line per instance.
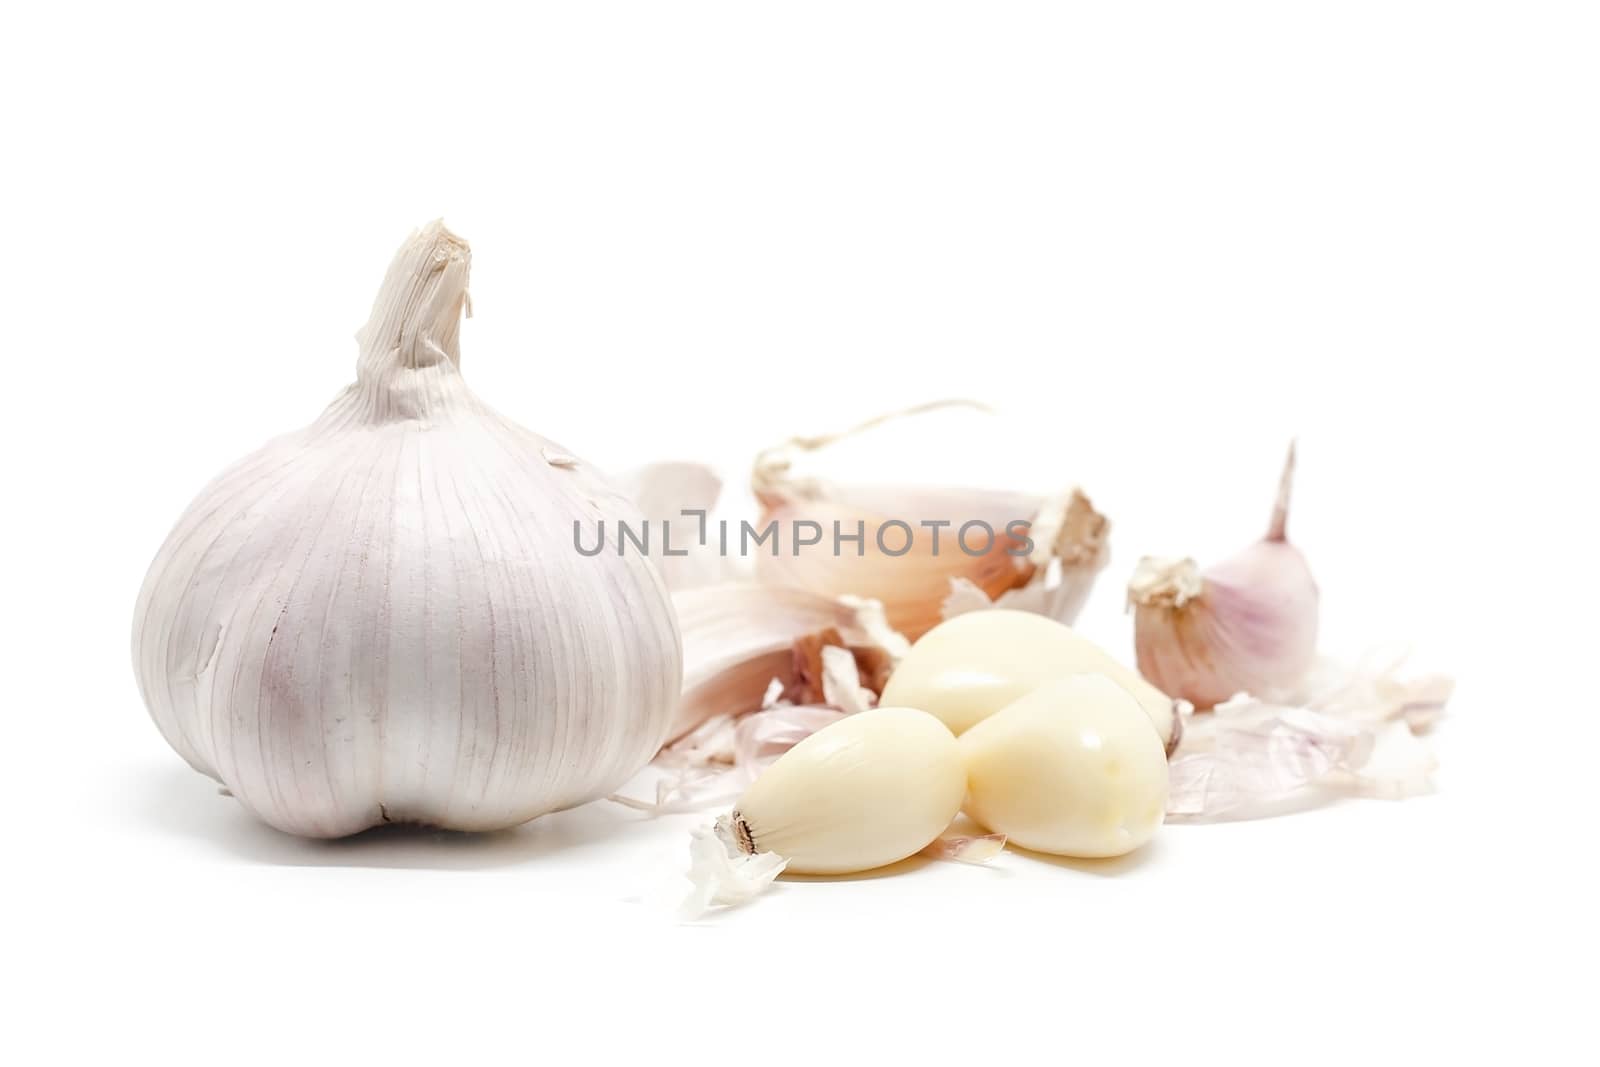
(383, 617)
(1247, 624)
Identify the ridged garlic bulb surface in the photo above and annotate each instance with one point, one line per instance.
(383, 617)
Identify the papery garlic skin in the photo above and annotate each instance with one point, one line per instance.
(1072, 768)
(677, 499)
(865, 792)
(383, 617)
(1247, 624)
(740, 636)
(971, 666)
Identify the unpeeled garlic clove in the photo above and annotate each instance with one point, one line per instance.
(927, 552)
(1072, 768)
(970, 667)
(865, 792)
(1247, 624)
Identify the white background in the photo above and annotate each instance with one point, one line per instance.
(1162, 238)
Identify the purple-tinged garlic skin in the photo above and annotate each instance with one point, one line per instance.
(1245, 625)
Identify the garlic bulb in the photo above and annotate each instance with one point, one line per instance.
(382, 617)
(1247, 624)
(1072, 768)
(970, 667)
(867, 791)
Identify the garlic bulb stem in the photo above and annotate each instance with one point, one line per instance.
(411, 345)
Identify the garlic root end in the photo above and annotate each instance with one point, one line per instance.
(1163, 582)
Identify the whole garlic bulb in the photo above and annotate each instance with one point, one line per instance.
(383, 618)
(864, 792)
(1245, 625)
(1072, 768)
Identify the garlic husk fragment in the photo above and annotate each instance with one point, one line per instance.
(679, 500)
(1072, 768)
(976, 849)
(970, 667)
(1247, 624)
(382, 617)
(1348, 730)
(1071, 547)
(722, 876)
(920, 546)
(865, 792)
(739, 636)
(715, 762)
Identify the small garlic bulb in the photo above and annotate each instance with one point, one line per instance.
(864, 792)
(383, 617)
(1245, 625)
(1072, 768)
(969, 667)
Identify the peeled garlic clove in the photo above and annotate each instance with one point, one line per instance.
(383, 617)
(1247, 624)
(970, 667)
(1072, 768)
(867, 791)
